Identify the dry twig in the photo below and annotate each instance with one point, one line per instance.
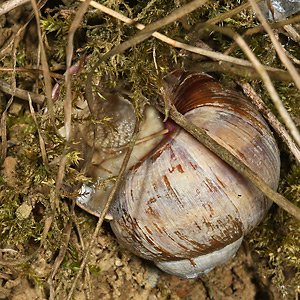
(225, 155)
(41, 140)
(266, 79)
(176, 44)
(11, 4)
(273, 121)
(105, 209)
(45, 66)
(278, 47)
(22, 94)
(3, 131)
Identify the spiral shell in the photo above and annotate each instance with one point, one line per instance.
(182, 206)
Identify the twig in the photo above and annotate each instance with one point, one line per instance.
(243, 71)
(230, 13)
(41, 140)
(273, 121)
(176, 44)
(283, 23)
(69, 55)
(277, 46)
(11, 4)
(266, 79)
(225, 155)
(105, 210)
(112, 150)
(138, 38)
(4, 131)
(34, 71)
(45, 66)
(87, 271)
(59, 259)
(292, 32)
(22, 94)
(287, 53)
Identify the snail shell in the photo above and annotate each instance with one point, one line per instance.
(182, 206)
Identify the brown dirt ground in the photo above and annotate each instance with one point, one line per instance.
(125, 276)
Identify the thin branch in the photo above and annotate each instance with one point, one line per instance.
(243, 71)
(45, 66)
(4, 131)
(176, 44)
(105, 210)
(276, 25)
(60, 257)
(10, 5)
(272, 120)
(292, 32)
(278, 47)
(69, 55)
(230, 13)
(266, 79)
(22, 94)
(32, 71)
(138, 38)
(41, 140)
(226, 156)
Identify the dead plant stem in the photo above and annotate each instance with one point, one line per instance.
(272, 120)
(226, 156)
(105, 210)
(265, 78)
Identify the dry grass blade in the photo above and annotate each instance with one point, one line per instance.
(225, 155)
(230, 68)
(46, 72)
(230, 13)
(59, 259)
(33, 71)
(70, 48)
(11, 4)
(105, 209)
(42, 143)
(272, 120)
(22, 94)
(266, 79)
(277, 46)
(260, 28)
(3, 130)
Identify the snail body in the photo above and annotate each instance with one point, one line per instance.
(181, 206)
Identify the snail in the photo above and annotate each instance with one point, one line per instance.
(180, 205)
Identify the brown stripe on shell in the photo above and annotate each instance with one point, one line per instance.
(195, 89)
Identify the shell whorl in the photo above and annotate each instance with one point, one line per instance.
(183, 202)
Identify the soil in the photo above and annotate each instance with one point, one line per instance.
(122, 275)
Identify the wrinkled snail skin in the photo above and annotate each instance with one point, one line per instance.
(182, 206)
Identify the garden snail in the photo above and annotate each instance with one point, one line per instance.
(181, 206)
